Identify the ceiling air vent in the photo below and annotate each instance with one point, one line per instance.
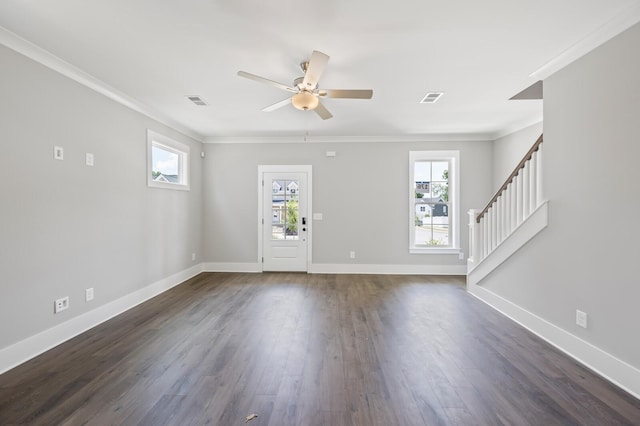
(431, 97)
(196, 100)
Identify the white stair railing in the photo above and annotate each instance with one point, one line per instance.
(515, 201)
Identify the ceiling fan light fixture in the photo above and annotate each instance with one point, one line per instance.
(305, 101)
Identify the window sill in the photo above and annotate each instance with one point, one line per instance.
(174, 186)
(414, 250)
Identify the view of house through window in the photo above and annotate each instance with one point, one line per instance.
(165, 164)
(284, 202)
(168, 162)
(431, 201)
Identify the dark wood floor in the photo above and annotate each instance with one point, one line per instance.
(301, 349)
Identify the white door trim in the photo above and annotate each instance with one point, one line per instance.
(262, 169)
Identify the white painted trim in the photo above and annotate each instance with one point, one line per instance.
(619, 23)
(348, 268)
(453, 157)
(434, 137)
(414, 250)
(339, 268)
(516, 127)
(613, 369)
(43, 57)
(231, 267)
(24, 350)
(184, 158)
(528, 229)
(308, 169)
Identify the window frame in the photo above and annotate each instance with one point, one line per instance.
(453, 157)
(165, 143)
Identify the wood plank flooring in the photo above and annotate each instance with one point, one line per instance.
(300, 349)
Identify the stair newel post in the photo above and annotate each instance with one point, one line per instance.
(503, 210)
(533, 181)
(520, 201)
(485, 236)
(507, 210)
(494, 226)
(539, 175)
(525, 190)
(474, 238)
(497, 207)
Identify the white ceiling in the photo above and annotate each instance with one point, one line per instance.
(154, 52)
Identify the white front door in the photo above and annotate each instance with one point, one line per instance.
(285, 221)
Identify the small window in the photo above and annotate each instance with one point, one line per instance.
(433, 202)
(167, 162)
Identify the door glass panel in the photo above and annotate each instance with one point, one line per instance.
(284, 205)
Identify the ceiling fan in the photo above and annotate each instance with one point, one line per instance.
(306, 93)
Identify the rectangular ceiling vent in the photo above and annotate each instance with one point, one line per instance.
(197, 100)
(431, 97)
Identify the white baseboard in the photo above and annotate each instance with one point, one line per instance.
(231, 267)
(528, 229)
(344, 268)
(348, 268)
(613, 369)
(24, 350)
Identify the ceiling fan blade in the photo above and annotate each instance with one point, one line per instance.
(316, 67)
(277, 105)
(266, 81)
(322, 111)
(348, 94)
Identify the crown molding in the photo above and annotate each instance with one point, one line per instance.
(516, 127)
(49, 60)
(434, 137)
(616, 25)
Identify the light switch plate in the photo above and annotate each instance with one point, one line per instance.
(58, 153)
(89, 159)
(581, 318)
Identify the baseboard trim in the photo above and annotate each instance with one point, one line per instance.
(344, 268)
(606, 365)
(231, 267)
(26, 349)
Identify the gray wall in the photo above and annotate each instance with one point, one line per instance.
(65, 226)
(587, 256)
(362, 194)
(509, 150)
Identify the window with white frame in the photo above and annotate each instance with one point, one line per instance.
(434, 222)
(167, 162)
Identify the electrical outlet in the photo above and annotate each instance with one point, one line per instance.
(89, 158)
(61, 304)
(581, 318)
(352, 254)
(88, 294)
(461, 255)
(193, 256)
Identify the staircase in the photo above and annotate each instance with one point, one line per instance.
(515, 214)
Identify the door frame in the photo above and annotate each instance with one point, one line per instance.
(262, 169)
